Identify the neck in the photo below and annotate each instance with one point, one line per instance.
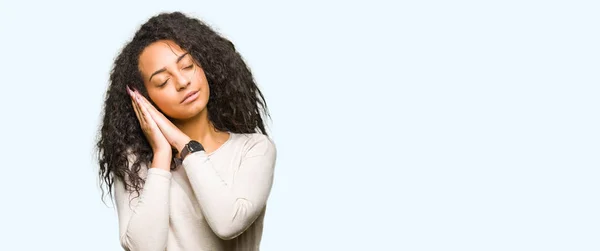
(198, 128)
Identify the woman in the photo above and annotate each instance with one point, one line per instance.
(183, 142)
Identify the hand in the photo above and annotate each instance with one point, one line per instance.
(176, 138)
(155, 137)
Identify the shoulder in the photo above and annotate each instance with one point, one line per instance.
(256, 144)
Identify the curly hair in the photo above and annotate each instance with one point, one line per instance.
(234, 105)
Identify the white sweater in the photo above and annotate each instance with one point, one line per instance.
(214, 201)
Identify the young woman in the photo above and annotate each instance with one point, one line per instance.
(183, 143)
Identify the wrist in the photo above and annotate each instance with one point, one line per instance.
(163, 152)
(180, 144)
(191, 147)
(162, 159)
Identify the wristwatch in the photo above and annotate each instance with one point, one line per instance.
(190, 147)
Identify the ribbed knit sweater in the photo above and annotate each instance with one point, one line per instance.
(215, 201)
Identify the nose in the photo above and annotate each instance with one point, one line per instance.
(181, 80)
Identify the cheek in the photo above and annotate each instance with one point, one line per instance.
(204, 87)
(200, 77)
(205, 94)
(163, 101)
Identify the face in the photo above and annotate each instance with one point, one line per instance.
(170, 75)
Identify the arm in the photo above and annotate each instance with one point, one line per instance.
(230, 208)
(144, 224)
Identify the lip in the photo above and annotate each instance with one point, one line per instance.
(191, 96)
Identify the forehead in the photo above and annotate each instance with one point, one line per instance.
(158, 55)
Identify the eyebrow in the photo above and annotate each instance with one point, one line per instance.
(164, 68)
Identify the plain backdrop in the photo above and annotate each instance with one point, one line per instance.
(400, 125)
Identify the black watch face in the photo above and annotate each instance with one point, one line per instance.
(195, 146)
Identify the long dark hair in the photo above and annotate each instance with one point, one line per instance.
(235, 102)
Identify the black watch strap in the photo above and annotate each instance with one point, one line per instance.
(190, 147)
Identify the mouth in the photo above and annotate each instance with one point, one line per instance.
(190, 96)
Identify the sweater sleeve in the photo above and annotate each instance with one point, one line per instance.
(144, 220)
(230, 208)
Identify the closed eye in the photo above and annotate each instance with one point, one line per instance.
(161, 85)
(187, 67)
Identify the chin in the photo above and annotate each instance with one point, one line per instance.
(190, 112)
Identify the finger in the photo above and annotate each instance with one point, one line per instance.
(144, 102)
(150, 109)
(133, 103)
(149, 120)
(135, 110)
(158, 116)
(150, 112)
(145, 118)
(138, 114)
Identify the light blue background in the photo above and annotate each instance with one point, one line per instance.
(415, 125)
